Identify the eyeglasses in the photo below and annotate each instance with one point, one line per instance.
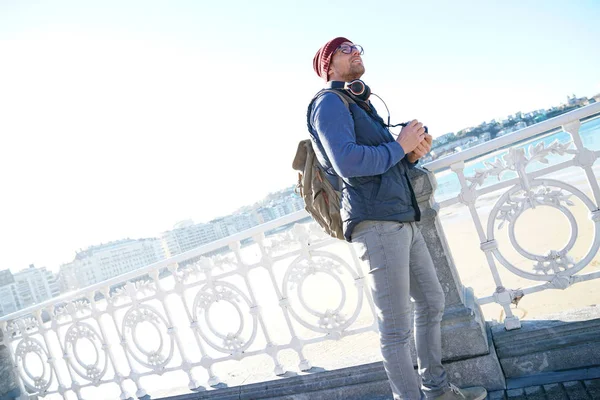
(348, 49)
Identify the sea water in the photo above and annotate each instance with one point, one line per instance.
(449, 186)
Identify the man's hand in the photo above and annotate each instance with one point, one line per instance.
(411, 135)
(421, 149)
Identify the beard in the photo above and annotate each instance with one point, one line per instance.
(355, 72)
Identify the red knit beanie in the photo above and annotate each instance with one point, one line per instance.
(323, 57)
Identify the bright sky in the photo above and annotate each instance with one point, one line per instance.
(120, 118)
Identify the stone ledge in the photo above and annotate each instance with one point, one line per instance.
(362, 382)
(548, 346)
(554, 377)
(549, 338)
(561, 390)
(542, 330)
(353, 382)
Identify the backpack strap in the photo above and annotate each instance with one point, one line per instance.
(347, 100)
(300, 158)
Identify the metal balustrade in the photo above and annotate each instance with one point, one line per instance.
(152, 324)
(207, 306)
(527, 189)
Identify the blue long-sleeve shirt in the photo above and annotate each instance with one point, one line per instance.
(336, 130)
(355, 145)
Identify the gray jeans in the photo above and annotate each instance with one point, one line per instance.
(400, 268)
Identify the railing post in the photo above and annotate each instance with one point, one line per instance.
(9, 388)
(464, 331)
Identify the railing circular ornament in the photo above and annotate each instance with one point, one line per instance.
(334, 267)
(547, 193)
(41, 382)
(161, 353)
(231, 342)
(85, 332)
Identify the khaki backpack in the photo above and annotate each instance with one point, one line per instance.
(321, 199)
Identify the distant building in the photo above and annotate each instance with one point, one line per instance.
(105, 261)
(223, 227)
(575, 101)
(265, 214)
(513, 128)
(186, 236)
(445, 138)
(485, 136)
(295, 202)
(9, 299)
(159, 250)
(520, 125)
(26, 288)
(243, 221)
(463, 132)
(35, 285)
(6, 277)
(451, 147)
(281, 209)
(287, 203)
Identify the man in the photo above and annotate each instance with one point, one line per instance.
(379, 211)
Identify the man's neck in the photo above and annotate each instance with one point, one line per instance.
(342, 85)
(336, 84)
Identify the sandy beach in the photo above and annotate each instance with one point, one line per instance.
(538, 231)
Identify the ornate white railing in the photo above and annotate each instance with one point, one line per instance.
(525, 191)
(162, 318)
(153, 325)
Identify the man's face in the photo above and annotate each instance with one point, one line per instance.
(346, 67)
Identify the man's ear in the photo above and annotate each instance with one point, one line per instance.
(330, 71)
